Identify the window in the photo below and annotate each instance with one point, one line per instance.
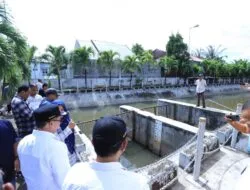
(45, 71)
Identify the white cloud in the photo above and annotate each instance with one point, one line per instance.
(148, 22)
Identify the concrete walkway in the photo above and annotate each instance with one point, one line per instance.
(221, 171)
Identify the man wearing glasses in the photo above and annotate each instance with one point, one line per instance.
(44, 160)
(109, 140)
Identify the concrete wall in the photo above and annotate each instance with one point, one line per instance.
(189, 113)
(79, 100)
(159, 134)
(124, 81)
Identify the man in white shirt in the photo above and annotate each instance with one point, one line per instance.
(34, 98)
(106, 173)
(39, 84)
(43, 158)
(200, 90)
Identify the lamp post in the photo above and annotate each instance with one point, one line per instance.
(195, 26)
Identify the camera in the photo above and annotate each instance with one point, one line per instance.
(233, 117)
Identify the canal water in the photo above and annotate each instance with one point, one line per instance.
(135, 154)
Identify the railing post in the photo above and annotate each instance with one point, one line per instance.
(235, 132)
(199, 148)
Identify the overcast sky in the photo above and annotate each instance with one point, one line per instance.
(148, 22)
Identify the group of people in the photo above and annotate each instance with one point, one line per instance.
(43, 148)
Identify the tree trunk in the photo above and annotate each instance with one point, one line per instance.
(131, 75)
(110, 78)
(3, 98)
(85, 74)
(59, 81)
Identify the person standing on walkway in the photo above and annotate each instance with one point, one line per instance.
(43, 158)
(8, 153)
(110, 141)
(34, 99)
(23, 115)
(200, 90)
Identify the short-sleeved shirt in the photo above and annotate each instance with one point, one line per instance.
(23, 116)
(102, 176)
(34, 101)
(7, 140)
(200, 85)
(44, 160)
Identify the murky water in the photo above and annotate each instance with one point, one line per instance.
(135, 153)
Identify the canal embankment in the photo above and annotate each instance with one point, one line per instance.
(96, 99)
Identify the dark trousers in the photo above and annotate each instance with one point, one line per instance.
(199, 96)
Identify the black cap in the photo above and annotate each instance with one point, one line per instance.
(200, 75)
(47, 112)
(51, 91)
(109, 130)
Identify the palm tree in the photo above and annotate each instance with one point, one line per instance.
(130, 65)
(169, 64)
(13, 51)
(31, 57)
(81, 58)
(58, 60)
(146, 58)
(199, 53)
(214, 53)
(108, 58)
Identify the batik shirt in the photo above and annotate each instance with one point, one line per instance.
(23, 116)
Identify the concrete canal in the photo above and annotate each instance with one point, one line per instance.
(136, 155)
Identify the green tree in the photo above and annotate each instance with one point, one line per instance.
(197, 69)
(169, 65)
(108, 58)
(179, 50)
(146, 58)
(137, 49)
(31, 57)
(131, 64)
(13, 50)
(58, 59)
(81, 59)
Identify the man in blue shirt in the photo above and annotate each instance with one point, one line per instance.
(69, 139)
(8, 154)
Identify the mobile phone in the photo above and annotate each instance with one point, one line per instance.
(233, 117)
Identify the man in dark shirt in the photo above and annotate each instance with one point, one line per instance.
(42, 92)
(8, 145)
(23, 115)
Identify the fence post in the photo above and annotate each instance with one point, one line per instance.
(199, 148)
(235, 132)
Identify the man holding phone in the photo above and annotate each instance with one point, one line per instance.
(242, 122)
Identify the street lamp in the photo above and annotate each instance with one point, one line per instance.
(195, 26)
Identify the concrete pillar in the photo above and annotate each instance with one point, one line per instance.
(77, 86)
(235, 132)
(199, 148)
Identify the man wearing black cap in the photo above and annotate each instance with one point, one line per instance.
(64, 133)
(44, 160)
(109, 140)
